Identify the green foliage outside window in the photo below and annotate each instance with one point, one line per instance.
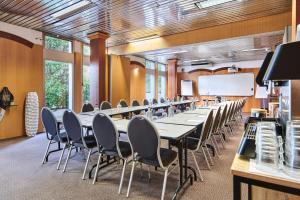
(58, 44)
(86, 84)
(57, 84)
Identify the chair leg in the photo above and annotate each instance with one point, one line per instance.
(208, 165)
(46, 152)
(97, 168)
(222, 139)
(210, 158)
(130, 179)
(86, 164)
(122, 176)
(164, 184)
(214, 145)
(61, 156)
(149, 174)
(68, 156)
(197, 166)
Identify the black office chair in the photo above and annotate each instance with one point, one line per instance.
(162, 100)
(53, 134)
(146, 102)
(136, 103)
(108, 143)
(75, 135)
(124, 104)
(195, 142)
(154, 101)
(105, 105)
(87, 107)
(145, 144)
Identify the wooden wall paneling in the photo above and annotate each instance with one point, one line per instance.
(22, 71)
(251, 101)
(78, 81)
(120, 79)
(137, 82)
(172, 78)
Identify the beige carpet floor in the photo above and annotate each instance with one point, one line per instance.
(24, 178)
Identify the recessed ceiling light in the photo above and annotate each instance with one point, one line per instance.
(260, 49)
(144, 38)
(209, 3)
(185, 61)
(168, 53)
(71, 8)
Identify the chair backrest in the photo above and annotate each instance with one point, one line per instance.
(162, 100)
(206, 127)
(105, 132)
(87, 107)
(135, 103)
(143, 138)
(146, 102)
(223, 117)
(105, 105)
(154, 101)
(216, 120)
(72, 126)
(229, 112)
(123, 103)
(49, 122)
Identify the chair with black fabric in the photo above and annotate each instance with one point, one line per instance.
(105, 105)
(196, 142)
(146, 102)
(154, 101)
(87, 107)
(124, 104)
(77, 139)
(146, 149)
(162, 100)
(108, 143)
(53, 134)
(136, 103)
(221, 127)
(214, 129)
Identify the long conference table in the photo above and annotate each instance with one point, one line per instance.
(175, 128)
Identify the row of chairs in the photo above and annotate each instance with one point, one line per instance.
(143, 148)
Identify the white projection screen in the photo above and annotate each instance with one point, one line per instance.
(186, 88)
(241, 84)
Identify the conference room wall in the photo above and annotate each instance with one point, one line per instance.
(251, 101)
(137, 81)
(21, 70)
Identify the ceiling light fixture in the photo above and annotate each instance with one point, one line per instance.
(209, 3)
(70, 9)
(203, 59)
(144, 38)
(169, 53)
(260, 49)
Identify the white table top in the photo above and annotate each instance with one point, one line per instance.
(183, 119)
(168, 131)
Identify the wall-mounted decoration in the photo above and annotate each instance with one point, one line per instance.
(6, 98)
(31, 113)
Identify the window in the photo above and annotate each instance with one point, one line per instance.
(58, 84)
(161, 85)
(57, 44)
(150, 80)
(86, 84)
(86, 50)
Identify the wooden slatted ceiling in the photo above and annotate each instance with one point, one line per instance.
(130, 19)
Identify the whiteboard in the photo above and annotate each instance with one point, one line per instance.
(186, 88)
(241, 84)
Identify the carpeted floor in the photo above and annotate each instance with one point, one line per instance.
(24, 178)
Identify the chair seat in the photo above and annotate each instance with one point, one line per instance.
(167, 157)
(90, 142)
(62, 137)
(125, 150)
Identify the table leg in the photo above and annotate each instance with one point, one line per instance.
(236, 188)
(180, 163)
(249, 191)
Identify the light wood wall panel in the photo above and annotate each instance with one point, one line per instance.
(120, 79)
(251, 101)
(21, 70)
(137, 82)
(77, 82)
(172, 78)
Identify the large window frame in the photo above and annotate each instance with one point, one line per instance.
(86, 95)
(161, 81)
(150, 80)
(63, 55)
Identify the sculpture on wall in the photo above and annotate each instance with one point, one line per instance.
(31, 113)
(6, 99)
